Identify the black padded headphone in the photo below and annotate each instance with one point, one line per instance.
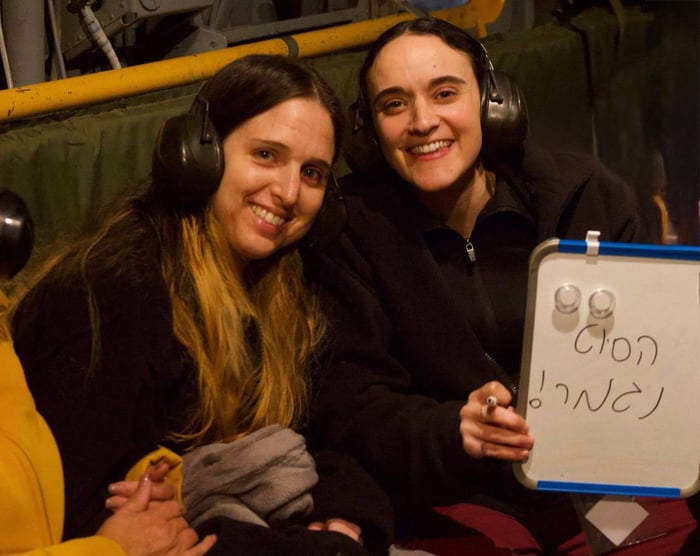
(504, 119)
(16, 234)
(188, 159)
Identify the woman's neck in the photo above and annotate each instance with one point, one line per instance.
(459, 205)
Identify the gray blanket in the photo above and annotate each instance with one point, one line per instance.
(263, 478)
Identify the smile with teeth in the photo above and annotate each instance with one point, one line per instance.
(430, 147)
(267, 216)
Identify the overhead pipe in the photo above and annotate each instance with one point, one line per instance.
(56, 39)
(5, 57)
(24, 34)
(84, 90)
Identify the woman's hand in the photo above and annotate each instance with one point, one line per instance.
(161, 490)
(495, 431)
(339, 526)
(146, 530)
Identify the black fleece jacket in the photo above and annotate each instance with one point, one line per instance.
(106, 419)
(418, 325)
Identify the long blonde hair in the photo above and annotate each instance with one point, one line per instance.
(251, 336)
(251, 331)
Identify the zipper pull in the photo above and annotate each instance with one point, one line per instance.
(470, 251)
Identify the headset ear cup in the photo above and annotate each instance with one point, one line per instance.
(16, 234)
(187, 162)
(504, 122)
(361, 150)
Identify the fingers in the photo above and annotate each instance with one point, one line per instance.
(202, 547)
(181, 527)
(113, 503)
(492, 401)
(345, 527)
(164, 491)
(338, 525)
(491, 428)
(488, 441)
(123, 489)
(138, 501)
(170, 510)
(502, 417)
(142, 500)
(494, 390)
(184, 540)
(158, 470)
(142, 526)
(160, 489)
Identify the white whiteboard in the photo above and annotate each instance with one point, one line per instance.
(613, 402)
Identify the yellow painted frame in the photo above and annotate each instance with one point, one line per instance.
(84, 90)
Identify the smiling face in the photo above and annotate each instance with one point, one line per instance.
(426, 106)
(276, 167)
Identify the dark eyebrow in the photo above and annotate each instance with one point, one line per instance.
(450, 79)
(284, 147)
(387, 92)
(436, 82)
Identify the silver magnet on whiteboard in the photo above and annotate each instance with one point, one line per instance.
(567, 298)
(601, 303)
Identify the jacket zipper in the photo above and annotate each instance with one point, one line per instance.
(491, 326)
(471, 253)
(500, 372)
(503, 376)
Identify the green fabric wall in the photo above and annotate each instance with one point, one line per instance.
(69, 165)
(587, 87)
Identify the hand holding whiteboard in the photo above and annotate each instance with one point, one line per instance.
(610, 377)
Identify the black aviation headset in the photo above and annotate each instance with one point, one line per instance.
(504, 118)
(188, 164)
(16, 234)
(188, 159)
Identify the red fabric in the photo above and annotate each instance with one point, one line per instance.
(669, 515)
(492, 533)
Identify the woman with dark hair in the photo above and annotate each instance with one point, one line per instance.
(427, 290)
(178, 338)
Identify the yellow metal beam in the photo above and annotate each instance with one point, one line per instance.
(84, 90)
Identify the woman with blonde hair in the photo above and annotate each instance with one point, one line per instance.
(181, 331)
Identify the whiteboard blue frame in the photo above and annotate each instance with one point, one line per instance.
(676, 252)
(582, 249)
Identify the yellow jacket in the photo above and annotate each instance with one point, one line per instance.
(31, 476)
